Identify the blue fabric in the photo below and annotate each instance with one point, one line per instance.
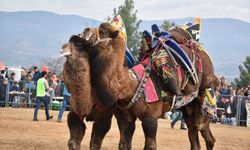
(66, 103)
(129, 58)
(179, 50)
(38, 105)
(155, 28)
(177, 115)
(65, 92)
(146, 34)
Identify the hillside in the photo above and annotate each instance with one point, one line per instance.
(27, 37)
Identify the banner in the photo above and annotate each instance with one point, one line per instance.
(193, 28)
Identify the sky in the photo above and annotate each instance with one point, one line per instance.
(147, 9)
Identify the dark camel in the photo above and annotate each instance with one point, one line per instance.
(114, 83)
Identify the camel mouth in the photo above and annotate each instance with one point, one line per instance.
(64, 53)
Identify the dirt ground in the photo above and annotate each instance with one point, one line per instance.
(18, 131)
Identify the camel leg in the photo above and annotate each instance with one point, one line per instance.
(192, 129)
(208, 136)
(99, 130)
(193, 138)
(149, 125)
(126, 127)
(77, 130)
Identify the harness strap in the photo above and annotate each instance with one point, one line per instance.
(99, 40)
(140, 87)
(193, 45)
(190, 70)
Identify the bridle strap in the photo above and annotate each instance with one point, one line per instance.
(99, 40)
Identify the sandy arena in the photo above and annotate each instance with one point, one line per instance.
(18, 131)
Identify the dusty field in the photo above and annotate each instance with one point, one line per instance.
(18, 131)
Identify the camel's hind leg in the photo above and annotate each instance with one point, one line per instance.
(77, 130)
(149, 125)
(99, 130)
(126, 124)
(208, 136)
(193, 138)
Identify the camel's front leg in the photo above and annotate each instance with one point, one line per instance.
(99, 130)
(126, 124)
(77, 130)
(149, 125)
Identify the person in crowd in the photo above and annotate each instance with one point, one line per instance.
(2, 74)
(240, 92)
(6, 73)
(12, 79)
(15, 87)
(27, 81)
(3, 86)
(54, 84)
(41, 88)
(61, 88)
(66, 103)
(36, 74)
(224, 90)
(247, 90)
(175, 116)
(28, 77)
(11, 86)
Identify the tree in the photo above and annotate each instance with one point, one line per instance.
(167, 25)
(128, 13)
(244, 78)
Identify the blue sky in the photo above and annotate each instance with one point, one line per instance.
(147, 9)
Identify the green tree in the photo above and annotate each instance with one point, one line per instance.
(244, 78)
(128, 13)
(167, 25)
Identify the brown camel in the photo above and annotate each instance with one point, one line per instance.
(114, 82)
(84, 103)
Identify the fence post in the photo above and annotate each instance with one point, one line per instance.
(7, 94)
(29, 93)
(238, 114)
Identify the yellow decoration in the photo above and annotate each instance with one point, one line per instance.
(119, 24)
(211, 98)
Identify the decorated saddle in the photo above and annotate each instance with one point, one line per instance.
(171, 55)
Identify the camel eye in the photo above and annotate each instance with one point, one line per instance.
(87, 29)
(101, 31)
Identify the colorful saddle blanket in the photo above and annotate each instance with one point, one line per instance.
(149, 89)
(173, 48)
(172, 44)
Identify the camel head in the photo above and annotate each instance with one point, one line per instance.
(104, 34)
(74, 48)
(106, 30)
(90, 34)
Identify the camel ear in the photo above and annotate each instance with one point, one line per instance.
(114, 34)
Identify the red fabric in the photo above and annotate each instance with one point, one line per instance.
(145, 60)
(179, 73)
(149, 90)
(200, 67)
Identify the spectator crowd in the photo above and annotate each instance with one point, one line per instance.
(227, 96)
(27, 85)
